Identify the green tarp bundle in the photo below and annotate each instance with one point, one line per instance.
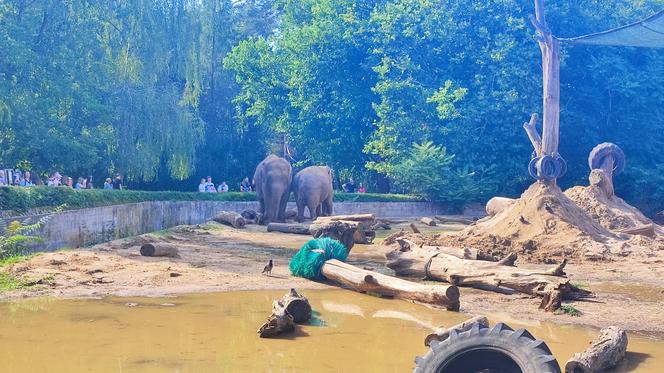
(647, 33)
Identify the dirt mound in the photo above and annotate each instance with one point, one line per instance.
(612, 212)
(544, 225)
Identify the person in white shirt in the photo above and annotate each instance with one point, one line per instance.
(223, 187)
(201, 186)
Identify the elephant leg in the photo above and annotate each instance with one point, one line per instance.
(261, 206)
(327, 207)
(313, 208)
(319, 209)
(271, 208)
(300, 210)
(281, 214)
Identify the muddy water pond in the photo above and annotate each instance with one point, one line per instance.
(217, 333)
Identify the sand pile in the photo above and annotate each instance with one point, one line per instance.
(612, 212)
(544, 225)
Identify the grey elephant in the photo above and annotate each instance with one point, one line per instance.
(313, 189)
(272, 180)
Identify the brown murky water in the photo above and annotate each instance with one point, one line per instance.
(217, 333)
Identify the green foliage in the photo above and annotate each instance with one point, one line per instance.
(428, 171)
(569, 310)
(22, 199)
(309, 260)
(17, 237)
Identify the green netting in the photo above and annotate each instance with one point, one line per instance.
(646, 33)
(309, 260)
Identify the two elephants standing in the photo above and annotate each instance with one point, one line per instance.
(274, 182)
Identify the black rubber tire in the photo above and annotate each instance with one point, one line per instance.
(482, 349)
(599, 152)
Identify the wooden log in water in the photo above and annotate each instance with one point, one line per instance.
(231, 218)
(293, 228)
(443, 333)
(291, 309)
(605, 352)
(159, 249)
(428, 221)
(362, 280)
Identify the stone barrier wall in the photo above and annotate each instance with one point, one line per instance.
(77, 228)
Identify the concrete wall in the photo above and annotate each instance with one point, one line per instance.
(84, 227)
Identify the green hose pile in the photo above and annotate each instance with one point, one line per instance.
(309, 260)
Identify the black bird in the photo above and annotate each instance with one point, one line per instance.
(268, 268)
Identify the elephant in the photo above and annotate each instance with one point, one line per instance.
(272, 181)
(313, 189)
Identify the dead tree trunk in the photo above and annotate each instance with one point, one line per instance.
(342, 231)
(367, 218)
(368, 281)
(481, 274)
(425, 252)
(604, 352)
(442, 333)
(292, 228)
(449, 219)
(231, 218)
(159, 249)
(428, 221)
(291, 309)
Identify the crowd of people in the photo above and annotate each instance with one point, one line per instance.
(27, 179)
(207, 186)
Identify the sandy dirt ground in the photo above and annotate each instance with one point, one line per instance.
(629, 290)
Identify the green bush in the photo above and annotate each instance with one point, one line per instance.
(22, 199)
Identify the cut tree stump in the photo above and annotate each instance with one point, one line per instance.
(292, 228)
(482, 274)
(231, 218)
(362, 280)
(604, 352)
(251, 216)
(291, 309)
(449, 219)
(159, 249)
(428, 221)
(342, 231)
(443, 333)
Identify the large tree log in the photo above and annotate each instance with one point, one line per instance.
(481, 274)
(423, 253)
(647, 230)
(450, 219)
(428, 221)
(368, 218)
(443, 333)
(159, 249)
(605, 352)
(368, 281)
(342, 231)
(498, 204)
(231, 218)
(292, 308)
(293, 228)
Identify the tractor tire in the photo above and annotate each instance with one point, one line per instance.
(607, 149)
(488, 350)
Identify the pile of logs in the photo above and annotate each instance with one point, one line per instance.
(347, 229)
(468, 267)
(291, 309)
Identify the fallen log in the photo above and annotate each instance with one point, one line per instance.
(368, 281)
(604, 352)
(498, 204)
(159, 249)
(449, 219)
(381, 224)
(231, 218)
(647, 230)
(292, 308)
(292, 228)
(483, 274)
(369, 218)
(442, 333)
(424, 252)
(342, 231)
(414, 228)
(428, 221)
